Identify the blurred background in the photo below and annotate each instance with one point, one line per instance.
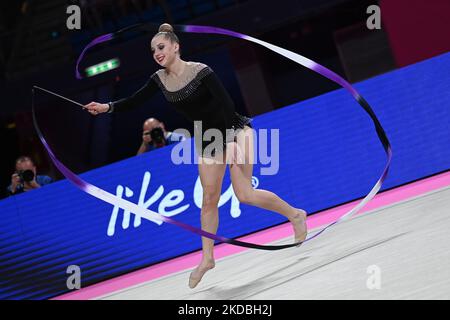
(36, 48)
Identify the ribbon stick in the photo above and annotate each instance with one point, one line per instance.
(148, 214)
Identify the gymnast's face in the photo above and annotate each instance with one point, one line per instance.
(163, 50)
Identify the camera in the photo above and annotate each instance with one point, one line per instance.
(26, 175)
(157, 136)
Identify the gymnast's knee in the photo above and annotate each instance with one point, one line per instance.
(210, 201)
(245, 196)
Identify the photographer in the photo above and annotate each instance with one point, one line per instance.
(154, 135)
(25, 177)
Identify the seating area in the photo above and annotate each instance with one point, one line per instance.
(172, 11)
(44, 41)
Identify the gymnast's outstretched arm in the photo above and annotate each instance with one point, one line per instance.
(124, 104)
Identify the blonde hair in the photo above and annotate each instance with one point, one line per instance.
(166, 30)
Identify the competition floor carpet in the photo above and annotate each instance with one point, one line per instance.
(407, 243)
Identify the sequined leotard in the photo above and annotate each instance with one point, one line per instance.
(197, 93)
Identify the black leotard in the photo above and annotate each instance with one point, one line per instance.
(203, 98)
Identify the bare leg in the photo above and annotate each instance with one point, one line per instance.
(211, 177)
(241, 177)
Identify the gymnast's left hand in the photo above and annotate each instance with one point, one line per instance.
(95, 108)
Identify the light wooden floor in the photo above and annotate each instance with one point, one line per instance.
(409, 243)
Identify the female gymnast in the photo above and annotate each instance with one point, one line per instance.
(195, 90)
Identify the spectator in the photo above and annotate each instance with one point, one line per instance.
(154, 135)
(25, 177)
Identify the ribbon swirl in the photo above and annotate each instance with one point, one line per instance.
(149, 214)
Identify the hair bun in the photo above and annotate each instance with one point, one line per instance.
(165, 27)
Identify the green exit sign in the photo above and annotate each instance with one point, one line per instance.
(102, 67)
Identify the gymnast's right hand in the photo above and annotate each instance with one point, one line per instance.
(96, 108)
